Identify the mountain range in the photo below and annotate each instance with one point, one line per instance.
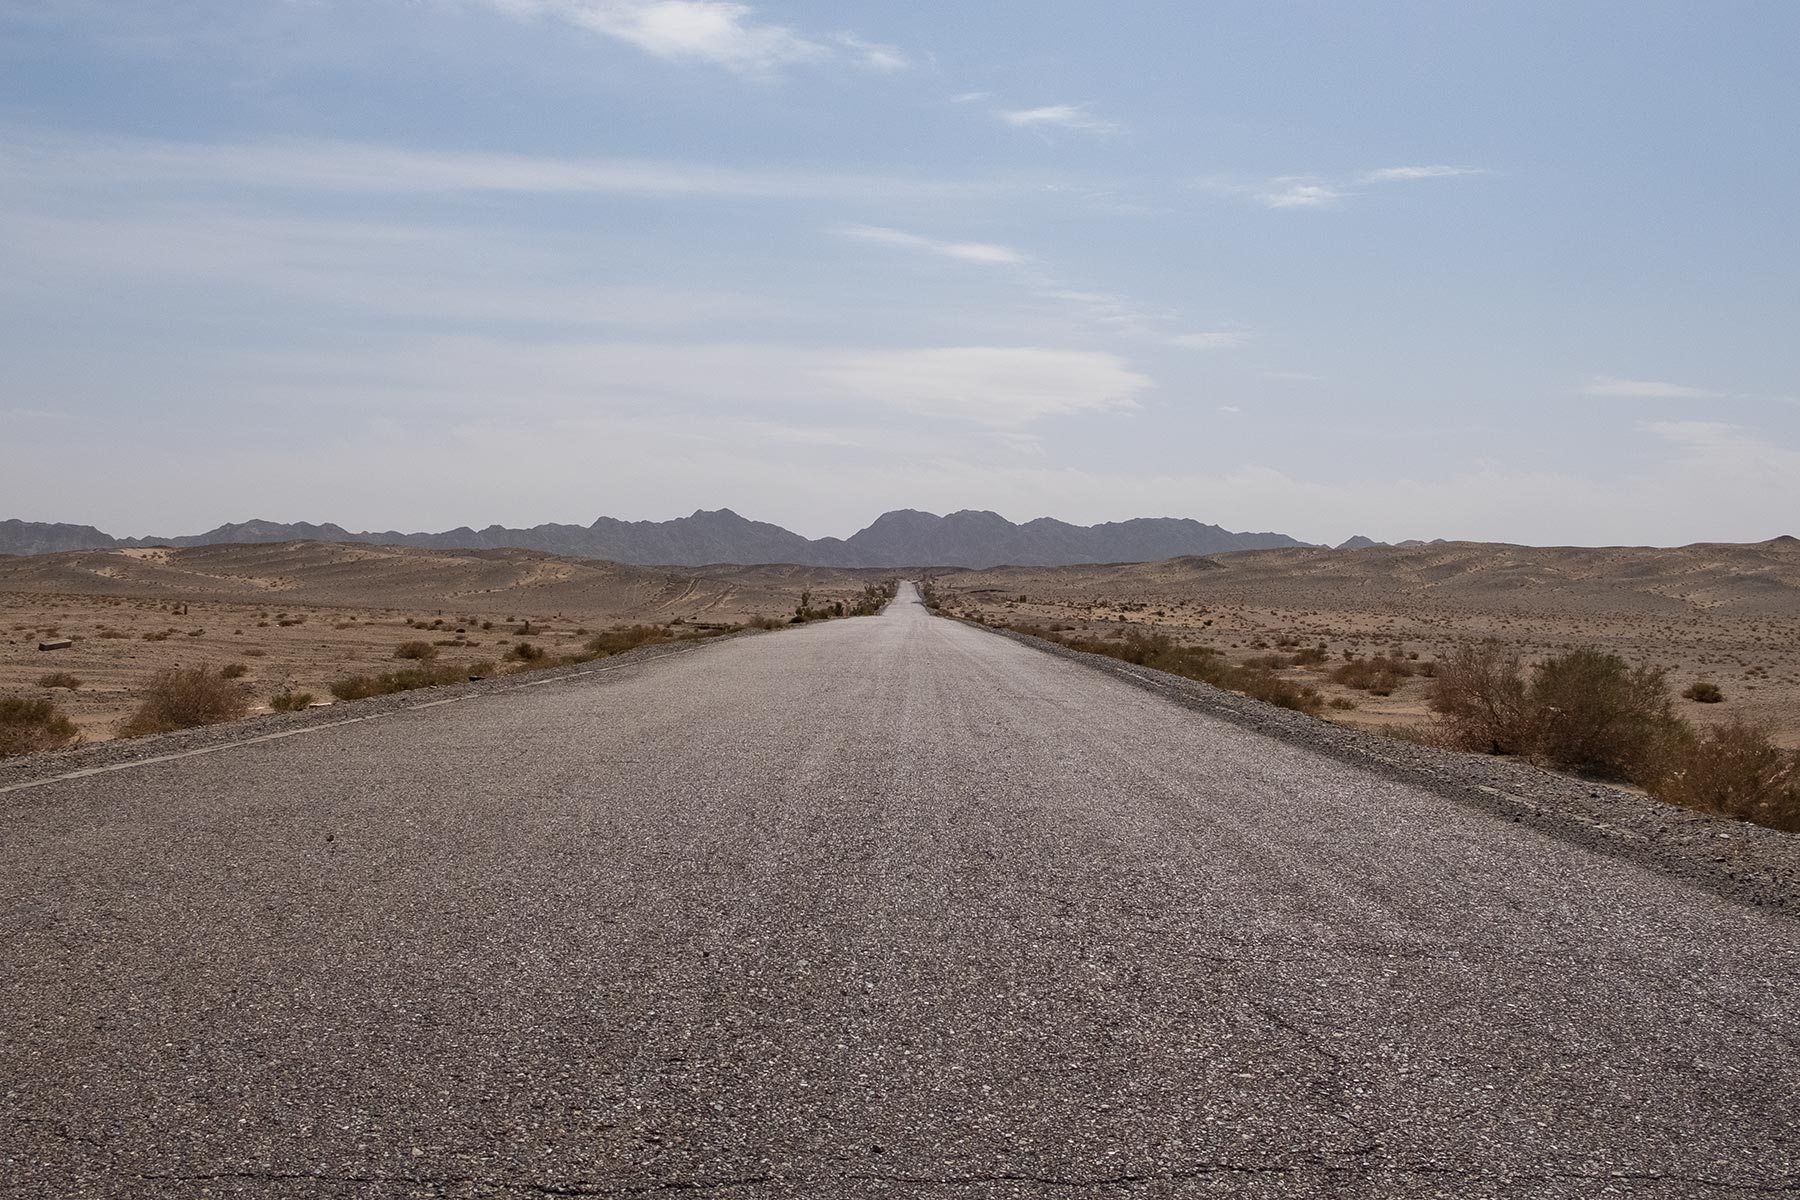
(902, 538)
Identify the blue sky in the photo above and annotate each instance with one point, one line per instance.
(1521, 271)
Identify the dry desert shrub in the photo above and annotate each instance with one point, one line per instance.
(418, 651)
(288, 700)
(183, 697)
(28, 726)
(1160, 652)
(1736, 769)
(1704, 692)
(629, 637)
(1481, 701)
(59, 679)
(361, 687)
(234, 671)
(1379, 676)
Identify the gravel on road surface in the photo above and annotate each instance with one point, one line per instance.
(885, 907)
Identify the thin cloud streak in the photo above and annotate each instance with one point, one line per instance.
(1643, 389)
(1057, 116)
(722, 33)
(982, 253)
(376, 169)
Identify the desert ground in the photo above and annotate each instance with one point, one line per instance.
(298, 615)
(1724, 613)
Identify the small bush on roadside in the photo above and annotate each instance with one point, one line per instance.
(526, 652)
(183, 697)
(361, 687)
(30, 726)
(1481, 702)
(1594, 713)
(418, 651)
(1703, 692)
(1736, 769)
(59, 679)
(233, 671)
(621, 638)
(288, 700)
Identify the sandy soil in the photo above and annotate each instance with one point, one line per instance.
(299, 615)
(1726, 614)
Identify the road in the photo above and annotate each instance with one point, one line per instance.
(883, 907)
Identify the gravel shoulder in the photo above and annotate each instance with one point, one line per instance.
(1733, 859)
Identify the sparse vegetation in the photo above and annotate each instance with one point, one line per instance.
(1379, 676)
(59, 679)
(386, 683)
(1736, 769)
(288, 700)
(1704, 692)
(1591, 712)
(234, 671)
(184, 697)
(526, 652)
(627, 637)
(418, 651)
(31, 726)
(1161, 652)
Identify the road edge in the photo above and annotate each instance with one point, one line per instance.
(1738, 861)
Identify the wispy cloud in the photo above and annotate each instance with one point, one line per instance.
(1057, 116)
(984, 253)
(874, 55)
(1406, 174)
(370, 168)
(1318, 191)
(971, 97)
(1212, 339)
(1643, 389)
(1297, 192)
(724, 33)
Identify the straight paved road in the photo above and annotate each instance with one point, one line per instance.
(887, 907)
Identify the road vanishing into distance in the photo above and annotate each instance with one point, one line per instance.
(884, 907)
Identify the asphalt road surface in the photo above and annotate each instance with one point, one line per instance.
(885, 907)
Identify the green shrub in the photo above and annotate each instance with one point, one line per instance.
(288, 700)
(182, 698)
(1594, 713)
(29, 726)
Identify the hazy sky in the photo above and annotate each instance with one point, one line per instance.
(1523, 271)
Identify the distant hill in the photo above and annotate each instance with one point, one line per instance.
(896, 539)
